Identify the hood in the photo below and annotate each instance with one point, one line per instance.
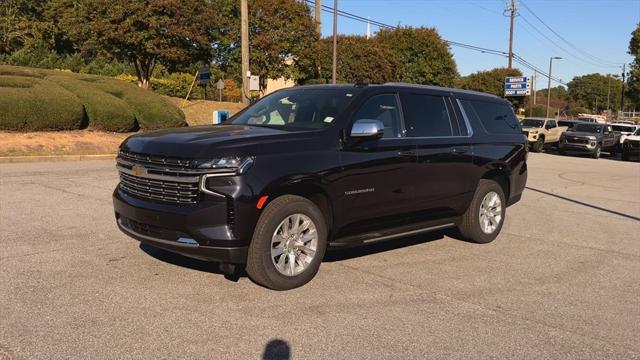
(633, 138)
(581, 134)
(529, 129)
(207, 140)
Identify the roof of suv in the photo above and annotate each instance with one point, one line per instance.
(408, 86)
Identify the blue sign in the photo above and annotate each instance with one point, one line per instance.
(517, 86)
(203, 76)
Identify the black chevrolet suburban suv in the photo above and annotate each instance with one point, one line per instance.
(310, 167)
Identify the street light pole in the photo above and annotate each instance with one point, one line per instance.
(549, 83)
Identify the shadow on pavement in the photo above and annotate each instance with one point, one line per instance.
(585, 204)
(332, 254)
(277, 349)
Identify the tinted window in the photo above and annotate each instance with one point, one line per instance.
(551, 124)
(297, 109)
(425, 116)
(384, 108)
(496, 118)
(532, 123)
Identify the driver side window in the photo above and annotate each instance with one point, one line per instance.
(384, 108)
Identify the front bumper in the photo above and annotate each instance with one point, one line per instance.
(201, 231)
(573, 147)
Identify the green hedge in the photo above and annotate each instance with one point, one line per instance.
(152, 111)
(31, 104)
(39, 99)
(105, 111)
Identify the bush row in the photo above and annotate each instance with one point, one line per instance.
(37, 99)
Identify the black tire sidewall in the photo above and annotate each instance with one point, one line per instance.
(484, 188)
(262, 242)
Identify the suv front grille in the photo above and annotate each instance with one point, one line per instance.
(165, 191)
(151, 160)
(576, 140)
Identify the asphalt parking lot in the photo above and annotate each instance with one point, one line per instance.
(561, 281)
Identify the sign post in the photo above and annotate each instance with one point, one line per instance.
(517, 86)
(203, 79)
(220, 86)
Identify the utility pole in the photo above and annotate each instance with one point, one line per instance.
(549, 83)
(244, 39)
(624, 70)
(513, 16)
(318, 16)
(334, 70)
(534, 84)
(533, 96)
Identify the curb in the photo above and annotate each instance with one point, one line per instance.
(28, 159)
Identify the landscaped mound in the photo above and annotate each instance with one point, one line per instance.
(38, 99)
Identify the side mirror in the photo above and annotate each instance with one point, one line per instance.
(367, 128)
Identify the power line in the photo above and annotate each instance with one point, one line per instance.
(517, 58)
(604, 62)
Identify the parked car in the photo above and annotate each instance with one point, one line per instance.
(591, 138)
(315, 166)
(631, 146)
(624, 129)
(541, 132)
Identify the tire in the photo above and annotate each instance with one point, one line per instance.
(625, 156)
(538, 145)
(260, 266)
(470, 225)
(596, 152)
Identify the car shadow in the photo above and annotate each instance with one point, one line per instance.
(332, 254)
(190, 263)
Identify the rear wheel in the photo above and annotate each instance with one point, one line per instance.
(288, 243)
(483, 219)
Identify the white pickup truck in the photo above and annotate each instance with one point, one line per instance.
(541, 132)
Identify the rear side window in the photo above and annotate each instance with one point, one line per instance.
(425, 116)
(496, 118)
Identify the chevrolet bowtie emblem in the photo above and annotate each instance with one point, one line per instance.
(138, 170)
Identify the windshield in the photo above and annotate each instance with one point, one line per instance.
(532, 123)
(623, 128)
(295, 109)
(590, 128)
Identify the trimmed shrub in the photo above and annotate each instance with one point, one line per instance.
(42, 106)
(176, 85)
(152, 111)
(105, 111)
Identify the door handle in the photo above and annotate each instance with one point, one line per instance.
(458, 151)
(407, 153)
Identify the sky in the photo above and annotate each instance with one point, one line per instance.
(597, 31)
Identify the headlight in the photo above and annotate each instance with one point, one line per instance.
(592, 137)
(231, 163)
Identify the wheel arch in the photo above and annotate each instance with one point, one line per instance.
(309, 188)
(500, 174)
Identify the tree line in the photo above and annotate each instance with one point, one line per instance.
(146, 38)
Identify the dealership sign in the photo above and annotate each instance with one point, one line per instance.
(517, 86)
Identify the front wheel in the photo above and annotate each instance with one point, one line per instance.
(538, 145)
(288, 243)
(596, 152)
(483, 219)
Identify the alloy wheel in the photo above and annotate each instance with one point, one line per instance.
(490, 212)
(294, 244)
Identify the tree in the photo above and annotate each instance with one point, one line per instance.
(424, 58)
(589, 90)
(492, 82)
(282, 36)
(359, 59)
(633, 91)
(20, 24)
(145, 33)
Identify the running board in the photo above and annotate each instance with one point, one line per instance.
(376, 237)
